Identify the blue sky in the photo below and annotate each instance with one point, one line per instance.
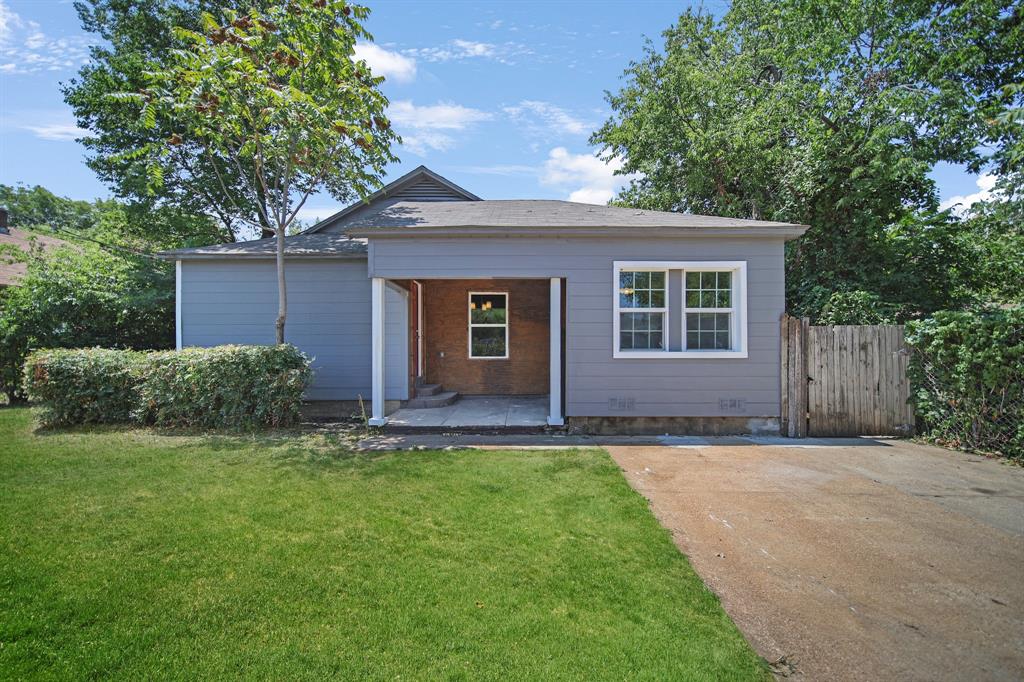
(500, 97)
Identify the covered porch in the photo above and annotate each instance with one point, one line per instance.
(485, 353)
(477, 412)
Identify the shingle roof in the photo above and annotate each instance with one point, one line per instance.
(532, 213)
(297, 246)
(454, 211)
(11, 270)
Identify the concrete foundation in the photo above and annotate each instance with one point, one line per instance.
(681, 426)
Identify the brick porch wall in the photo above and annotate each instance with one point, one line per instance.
(446, 325)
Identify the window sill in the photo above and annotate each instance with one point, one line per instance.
(676, 354)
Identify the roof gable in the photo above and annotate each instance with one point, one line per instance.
(420, 184)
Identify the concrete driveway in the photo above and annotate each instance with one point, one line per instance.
(853, 559)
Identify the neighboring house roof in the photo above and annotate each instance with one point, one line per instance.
(11, 271)
(296, 246)
(425, 204)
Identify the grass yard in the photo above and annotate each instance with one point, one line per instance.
(132, 554)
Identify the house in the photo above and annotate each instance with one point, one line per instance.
(626, 320)
(14, 240)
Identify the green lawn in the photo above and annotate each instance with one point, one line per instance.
(137, 555)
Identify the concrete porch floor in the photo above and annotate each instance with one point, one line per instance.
(477, 411)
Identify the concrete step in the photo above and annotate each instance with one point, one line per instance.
(438, 400)
(424, 390)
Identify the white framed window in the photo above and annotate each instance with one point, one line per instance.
(708, 321)
(642, 309)
(488, 325)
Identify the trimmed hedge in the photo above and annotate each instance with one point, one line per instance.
(225, 386)
(221, 387)
(967, 371)
(94, 386)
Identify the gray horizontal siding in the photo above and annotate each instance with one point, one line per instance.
(233, 301)
(595, 381)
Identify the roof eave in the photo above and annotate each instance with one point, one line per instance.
(788, 232)
(172, 256)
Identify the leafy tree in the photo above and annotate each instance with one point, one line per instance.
(109, 222)
(830, 114)
(81, 296)
(35, 206)
(102, 289)
(277, 104)
(137, 37)
(996, 231)
(856, 307)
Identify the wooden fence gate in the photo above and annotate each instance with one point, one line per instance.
(844, 380)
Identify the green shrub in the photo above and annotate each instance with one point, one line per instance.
(856, 307)
(82, 296)
(226, 386)
(84, 386)
(967, 370)
(221, 387)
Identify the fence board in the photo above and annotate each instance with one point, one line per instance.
(844, 380)
(793, 381)
(784, 377)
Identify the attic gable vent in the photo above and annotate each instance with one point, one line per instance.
(427, 190)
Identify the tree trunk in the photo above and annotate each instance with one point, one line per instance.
(266, 229)
(282, 292)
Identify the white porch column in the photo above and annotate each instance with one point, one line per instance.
(377, 417)
(555, 355)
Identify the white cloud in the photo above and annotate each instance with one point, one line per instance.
(459, 49)
(26, 49)
(441, 115)
(8, 22)
(36, 39)
(961, 204)
(469, 48)
(592, 195)
(58, 132)
(539, 116)
(593, 179)
(423, 142)
(385, 63)
(421, 126)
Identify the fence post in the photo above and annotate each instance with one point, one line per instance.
(794, 376)
(804, 406)
(784, 374)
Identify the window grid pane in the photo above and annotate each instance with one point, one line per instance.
(488, 342)
(708, 290)
(641, 331)
(488, 325)
(641, 289)
(708, 331)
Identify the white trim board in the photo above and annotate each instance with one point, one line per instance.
(739, 322)
(177, 305)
